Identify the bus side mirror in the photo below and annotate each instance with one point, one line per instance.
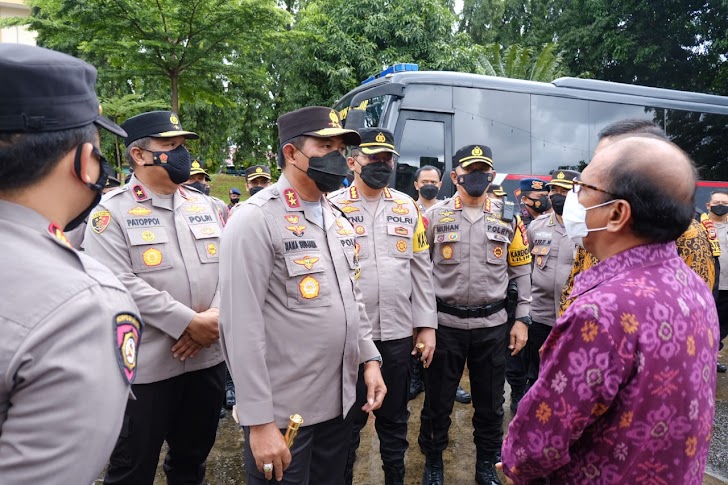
(355, 119)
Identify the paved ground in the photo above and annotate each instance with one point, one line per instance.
(225, 465)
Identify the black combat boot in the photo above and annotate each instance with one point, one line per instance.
(434, 470)
(463, 396)
(486, 474)
(393, 474)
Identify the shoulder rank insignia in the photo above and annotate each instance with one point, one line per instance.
(353, 193)
(291, 198)
(307, 261)
(388, 194)
(399, 208)
(458, 202)
(139, 193)
(57, 232)
(100, 220)
(128, 332)
(139, 211)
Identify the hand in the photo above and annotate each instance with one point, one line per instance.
(376, 390)
(499, 467)
(519, 337)
(268, 446)
(185, 347)
(204, 328)
(427, 337)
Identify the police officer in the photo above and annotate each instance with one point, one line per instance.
(553, 257)
(534, 199)
(70, 328)
(396, 283)
(293, 323)
(162, 240)
(200, 181)
(474, 255)
(257, 178)
(234, 196)
(428, 181)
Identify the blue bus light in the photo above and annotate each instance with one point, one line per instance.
(391, 70)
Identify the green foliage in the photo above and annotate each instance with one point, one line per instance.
(520, 62)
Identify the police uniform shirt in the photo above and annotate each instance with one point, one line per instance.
(396, 270)
(292, 321)
(474, 260)
(553, 257)
(165, 249)
(67, 353)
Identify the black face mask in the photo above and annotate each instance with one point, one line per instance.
(375, 175)
(557, 200)
(177, 163)
(475, 182)
(719, 210)
(255, 190)
(429, 191)
(235, 200)
(97, 187)
(540, 205)
(328, 172)
(199, 186)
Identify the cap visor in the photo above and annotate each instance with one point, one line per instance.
(499, 193)
(169, 134)
(109, 125)
(476, 160)
(351, 137)
(563, 185)
(375, 150)
(258, 175)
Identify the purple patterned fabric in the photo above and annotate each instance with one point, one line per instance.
(626, 391)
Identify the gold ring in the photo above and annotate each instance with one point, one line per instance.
(268, 468)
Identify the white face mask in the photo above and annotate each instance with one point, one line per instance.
(575, 218)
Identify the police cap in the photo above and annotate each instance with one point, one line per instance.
(563, 178)
(44, 90)
(156, 124)
(315, 121)
(235, 191)
(376, 140)
(532, 184)
(471, 154)
(497, 190)
(257, 171)
(197, 168)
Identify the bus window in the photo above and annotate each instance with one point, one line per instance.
(603, 114)
(559, 133)
(704, 137)
(374, 109)
(498, 119)
(422, 142)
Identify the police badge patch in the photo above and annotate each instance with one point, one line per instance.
(100, 220)
(127, 334)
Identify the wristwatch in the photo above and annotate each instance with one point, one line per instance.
(378, 358)
(526, 320)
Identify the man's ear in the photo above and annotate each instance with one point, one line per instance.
(137, 154)
(453, 177)
(620, 214)
(351, 163)
(289, 152)
(87, 164)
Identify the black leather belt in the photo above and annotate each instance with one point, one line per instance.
(471, 312)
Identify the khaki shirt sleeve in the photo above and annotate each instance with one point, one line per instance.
(424, 309)
(158, 308)
(247, 259)
(367, 349)
(48, 436)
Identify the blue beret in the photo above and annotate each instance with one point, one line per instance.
(235, 190)
(527, 185)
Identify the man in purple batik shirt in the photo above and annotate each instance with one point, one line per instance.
(627, 387)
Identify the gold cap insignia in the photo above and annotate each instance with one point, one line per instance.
(381, 138)
(196, 164)
(537, 184)
(477, 151)
(258, 170)
(173, 119)
(560, 175)
(334, 119)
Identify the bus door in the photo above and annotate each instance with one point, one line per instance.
(423, 138)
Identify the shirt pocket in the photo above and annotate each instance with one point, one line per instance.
(307, 285)
(148, 249)
(446, 253)
(541, 256)
(496, 250)
(399, 241)
(207, 242)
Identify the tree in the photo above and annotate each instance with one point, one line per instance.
(520, 62)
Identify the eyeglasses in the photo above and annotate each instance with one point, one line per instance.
(578, 184)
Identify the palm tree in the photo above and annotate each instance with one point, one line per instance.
(518, 62)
